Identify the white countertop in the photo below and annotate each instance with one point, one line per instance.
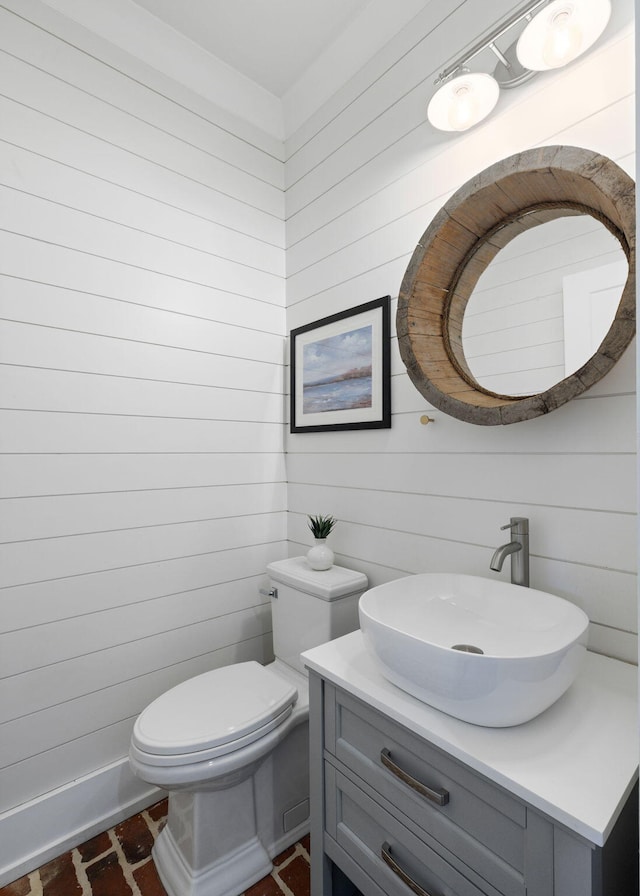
(577, 762)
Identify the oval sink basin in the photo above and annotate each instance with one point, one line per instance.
(486, 652)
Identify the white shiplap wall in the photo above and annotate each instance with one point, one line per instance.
(142, 322)
(365, 176)
(143, 485)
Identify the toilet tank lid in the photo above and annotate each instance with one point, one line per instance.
(328, 584)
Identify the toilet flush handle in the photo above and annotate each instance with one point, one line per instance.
(272, 592)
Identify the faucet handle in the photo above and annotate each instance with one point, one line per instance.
(516, 521)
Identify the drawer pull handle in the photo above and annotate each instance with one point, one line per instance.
(404, 877)
(441, 797)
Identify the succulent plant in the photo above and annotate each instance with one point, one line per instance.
(321, 525)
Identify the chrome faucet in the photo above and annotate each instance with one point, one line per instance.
(518, 548)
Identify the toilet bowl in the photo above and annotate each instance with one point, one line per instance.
(231, 745)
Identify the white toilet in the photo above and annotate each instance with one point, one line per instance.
(231, 745)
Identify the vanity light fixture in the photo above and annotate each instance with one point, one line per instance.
(556, 33)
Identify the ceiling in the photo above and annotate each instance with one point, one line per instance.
(272, 43)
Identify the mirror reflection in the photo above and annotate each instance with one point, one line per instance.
(543, 306)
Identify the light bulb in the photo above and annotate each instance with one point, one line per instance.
(463, 101)
(561, 32)
(564, 39)
(464, 108)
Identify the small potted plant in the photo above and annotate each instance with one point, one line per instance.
(320, 556)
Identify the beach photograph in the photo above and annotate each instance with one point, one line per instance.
(337, 372)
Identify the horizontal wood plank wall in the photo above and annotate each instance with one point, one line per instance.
(365, 176)
(142, 319)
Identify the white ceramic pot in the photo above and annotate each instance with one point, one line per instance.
(320, 556)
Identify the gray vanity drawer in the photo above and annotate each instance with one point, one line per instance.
(479, 823)
(365, 831)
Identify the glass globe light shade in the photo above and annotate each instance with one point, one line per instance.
(463, 101)
(561, 32)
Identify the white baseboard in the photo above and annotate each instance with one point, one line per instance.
(41, 830)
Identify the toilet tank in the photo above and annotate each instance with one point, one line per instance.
(312, 606)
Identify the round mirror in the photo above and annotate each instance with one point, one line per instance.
(575, 202)
(543, 306)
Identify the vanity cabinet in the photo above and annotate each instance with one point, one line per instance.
(395, 814)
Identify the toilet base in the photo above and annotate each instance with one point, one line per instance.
(219, 842)
(221, 854)
(227, 876)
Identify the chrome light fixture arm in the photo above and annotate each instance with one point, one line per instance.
(489, 42)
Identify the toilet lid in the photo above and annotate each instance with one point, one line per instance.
(215, 713)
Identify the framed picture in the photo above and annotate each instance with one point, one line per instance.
(340, 371)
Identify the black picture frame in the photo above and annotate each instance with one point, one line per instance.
(340, 370)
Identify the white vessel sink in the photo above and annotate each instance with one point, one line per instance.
(483, 651)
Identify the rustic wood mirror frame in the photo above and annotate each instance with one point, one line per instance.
(492, 208)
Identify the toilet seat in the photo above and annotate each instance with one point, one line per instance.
(212, 715)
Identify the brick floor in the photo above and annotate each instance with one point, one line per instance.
(118, 863)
